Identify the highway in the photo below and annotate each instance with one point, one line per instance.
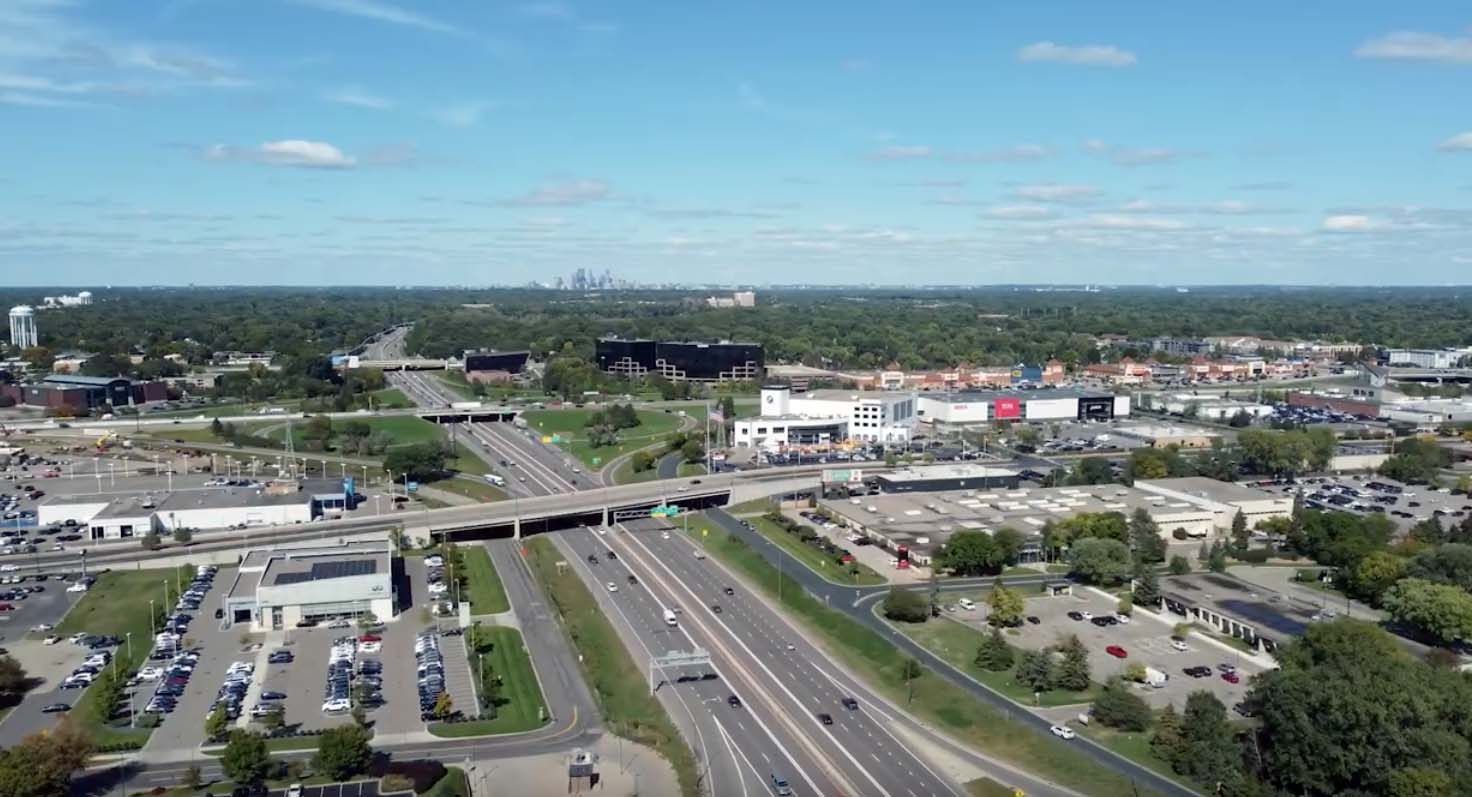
(859, 604)
(738, 748)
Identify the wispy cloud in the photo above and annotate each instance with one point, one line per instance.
(383, 12)
(901, 153)
(565, 194)
(359, 97)
(1085, 55)
(1019, 212)
(1350, 222)
(1264, 185)
(38, 100)
(1416, 46)
(296, 153)
(1135, 156)
(1461, 142)
(461, 114)
(566, 14)
(1056, 192)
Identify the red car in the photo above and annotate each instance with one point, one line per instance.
(1116, 651)
(6, 607)
(370, 638)
(1230, 677)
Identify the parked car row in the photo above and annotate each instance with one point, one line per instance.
(430, 670)
(171, 680)
(83, 676)
(199, 586)
(231, 696)
(337, 696)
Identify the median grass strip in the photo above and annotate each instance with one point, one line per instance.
(931, 698)
(625, 473)
(956, 643)
(570, 427)
(482, 584)
(621, 689)
(518, 698)
(117, 605)
(854, 574)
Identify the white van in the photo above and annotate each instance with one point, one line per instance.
(669, 618)
(967, 604)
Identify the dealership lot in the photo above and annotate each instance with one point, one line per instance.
(1144, 639)
(303, 680)
(1405, 504)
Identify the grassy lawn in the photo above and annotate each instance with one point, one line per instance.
(284, 744)
(570, 427)
(628, 708)
(470, 487)
(624, 473)
(986, 787)
(454, 381)
(521, 708)
(453, 784)
(957, 643)
(465, 461)
(390, 399)
(117, 605)
(482, 586)
(1134, 746)
(814, 559)
(936, 700)
(754, 506)
(690, 469)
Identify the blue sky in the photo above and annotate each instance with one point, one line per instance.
(394, 142)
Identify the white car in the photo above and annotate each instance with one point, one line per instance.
(150, 674)
(51, 640)
(434, 561)
(1063, 732)
(664, 535)
(1087, 616)
(42, 628)
(77, 587)
(612, 587)
(371, 647)
(1177, 644)
(294, 790)
(602, 532)
(1122, 619)
(341, 622)
(335, 705)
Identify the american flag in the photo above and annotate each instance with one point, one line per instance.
(715, 414)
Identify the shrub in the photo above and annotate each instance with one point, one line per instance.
(1179, 534)
(394, 782)
(1255, 556)
(422, 773)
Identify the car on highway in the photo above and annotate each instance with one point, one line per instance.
(1117, 652)
(52, 708)
(733, 701)
(729, 591)
(825, 718)
(1062, 731)
(715, 607)
(612, 587)
(850, 704)
(633, 579)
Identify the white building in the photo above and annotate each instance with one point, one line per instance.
(110, 517)
(1223, 499)
(79, 300)
(1428, 412)
(1212, 408)
(1426, 358)
(827, 417)
(23, 327)
(277, 588)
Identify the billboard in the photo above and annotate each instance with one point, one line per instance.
(1006, 408)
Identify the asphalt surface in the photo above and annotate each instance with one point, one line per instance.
(669, 465)
(739, 748)
(858, 604)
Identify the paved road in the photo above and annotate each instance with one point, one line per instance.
(858, 604)
(738, 749)
(669, 465)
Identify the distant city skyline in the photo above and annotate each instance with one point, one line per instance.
(388, 142)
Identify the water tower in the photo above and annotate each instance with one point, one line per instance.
(23, 326)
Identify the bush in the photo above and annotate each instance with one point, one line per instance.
(1255, 556)
(422, 773)
(392, 783)
(1179, 534)
(906, 606)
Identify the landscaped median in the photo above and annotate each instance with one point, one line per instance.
(482, 585)
(931, 698)
(571, 431)
(621, 690)
(117, 605)
(511, 699)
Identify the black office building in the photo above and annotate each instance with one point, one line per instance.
(511, 362)
(682, 360)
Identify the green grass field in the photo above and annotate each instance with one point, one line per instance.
(621, 691)
(814, 559)
(471, 487)
(390, 399)
(957, 643)
(117, 605)
(482, 585)
(935, 699)
(690, 469)
(624, 474)
(522, 709)
(571, 427)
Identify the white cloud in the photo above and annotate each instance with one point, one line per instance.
(37, 100)
(901, 153)
(358, 97)
(464, 114)
(575, 192)
(1350, 222)
(1019, 212)
(289, 152)
(1132, 156)
(1118, 222)
(1056, 192)
(1461, 142)
(1085, 55)
(383, 12)
(563, 13)
(1416, 46)
(1019, 152)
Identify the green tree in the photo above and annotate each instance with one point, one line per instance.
(1035, 670)
(13, 678)
(910, 669)
(1006, 606)
(1008, 542)
(1147, 587)
(1091, 470)
(317, 432)
(416, 462)
(1216, 558)
(693, 451)
(994, 654)
(1145, 540)
(215, 723)
(1375, 574)
(1450, 563)
(1117, 706)
(906, 606)
(1419, 782)
(1441, 610)
(1179, 565)
(42, 764)
(343, 752)
(1209, 752)
(971, 553)
(246, 760)
(217, 429)
(1241, 537)
(183, 535)
(274, 719)
(641, 461)
(193, 777)
(151, 541)
(1072, 673)
(1099, 561)
(1166, 742)
(443, 706)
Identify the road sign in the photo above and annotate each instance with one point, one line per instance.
(546, 439)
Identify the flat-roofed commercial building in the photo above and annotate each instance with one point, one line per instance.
(1162, 436)
(931, 478)
(276, 588)
(1231, 606)
(976, 407)
(1223, 499)
(678, 361)
(494, 366)
(107, 516)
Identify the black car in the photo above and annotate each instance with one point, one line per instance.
(729, 591)
(257, 790)
(733, 701)
(826, 719)
(850, 704)
(715, 607)
(1033, 619)
(1075, 616)
(632, 579)
(1102, 622)
(1198, 672)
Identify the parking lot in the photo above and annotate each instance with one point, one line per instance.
(1145, 639)
(1404, 504)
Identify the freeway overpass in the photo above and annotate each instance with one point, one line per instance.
(407, 364)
